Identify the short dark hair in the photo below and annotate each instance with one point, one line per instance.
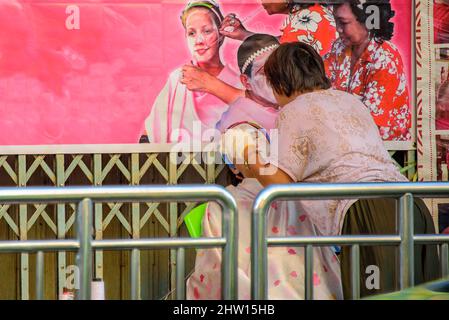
(295, 67)
(251, 45)
(386, 27)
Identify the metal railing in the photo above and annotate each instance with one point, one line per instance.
(405, 239)
(84, 245)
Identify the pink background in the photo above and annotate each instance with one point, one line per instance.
(97, 84)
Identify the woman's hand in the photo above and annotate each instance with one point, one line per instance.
(233, 28)
(196, 79)
(257, 167)
(250, 156)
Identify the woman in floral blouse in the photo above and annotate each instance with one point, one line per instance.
(365, 63)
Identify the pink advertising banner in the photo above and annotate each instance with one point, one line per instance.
(88, 72)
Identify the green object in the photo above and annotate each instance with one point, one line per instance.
(438, 290)
(194, 219)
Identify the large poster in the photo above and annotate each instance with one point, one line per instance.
(89, 72)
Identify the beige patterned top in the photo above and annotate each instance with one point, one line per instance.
(329, 136)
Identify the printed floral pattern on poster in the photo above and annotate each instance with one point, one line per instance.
(379, 79)
(310, 26)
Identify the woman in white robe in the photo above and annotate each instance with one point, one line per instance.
(179, 113)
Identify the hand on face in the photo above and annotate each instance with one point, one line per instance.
(195, 78)
(233, 28)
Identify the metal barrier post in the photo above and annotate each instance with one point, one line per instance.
(84, 256)
(444, 257)
(135, 257)
(355, 271)
(309, 272)
(230, 251)
(407, 250)
(180, 274)
(259, 288)
(40, 275)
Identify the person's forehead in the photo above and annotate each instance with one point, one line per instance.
(343, 11)
(198, 15)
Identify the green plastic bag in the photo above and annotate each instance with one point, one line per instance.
(194, 219)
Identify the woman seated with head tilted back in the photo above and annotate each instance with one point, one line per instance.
(328, 136)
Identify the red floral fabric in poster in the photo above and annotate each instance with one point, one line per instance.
(314, 25)
(378, 78)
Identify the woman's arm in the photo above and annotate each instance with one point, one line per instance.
(197, 79)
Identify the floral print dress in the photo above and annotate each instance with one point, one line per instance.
(378, 79)
(285, 269)
(314, 26)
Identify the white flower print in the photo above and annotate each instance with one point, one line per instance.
(338, 47)
(393, 46)
(355, 81)
(312, 41)
(306, 20)
(402, 83)
(286, 22)
(328, 15)
(373, 97)
(384, 132)
(345, 70)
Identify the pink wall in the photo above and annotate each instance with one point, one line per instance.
(97, 84)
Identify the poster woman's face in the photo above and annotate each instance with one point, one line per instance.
(202, 35)
(351, 31)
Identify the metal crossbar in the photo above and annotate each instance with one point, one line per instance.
(84, 245)
(405, 239)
